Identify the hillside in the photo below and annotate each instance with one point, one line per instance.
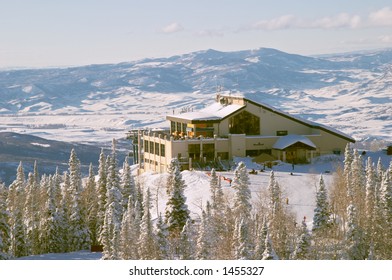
(97, 102)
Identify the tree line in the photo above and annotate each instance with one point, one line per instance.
(112, 209)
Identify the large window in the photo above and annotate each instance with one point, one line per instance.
(244, 123)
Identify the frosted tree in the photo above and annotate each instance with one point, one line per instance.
(371, 184)
(242, 204)
(176, 212)
(162, 239)
(242, 243)
(110, 235)
(321, 212)
(355, 247)
(260, 241)
(15, 202)
(303, 243)
(91, 202)
(128, 187)
(275, 199)
(32, 210)
(147, 241)
(130, 232)
(4, 225)
(187, 242)
(50, 221)
(102, 191)
(79, 232)
(64, 214)
(386, 213)
(203, 245)
(269, 252)
(218, 209)
(357, 187)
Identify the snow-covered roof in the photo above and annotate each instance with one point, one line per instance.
(213, 112)
(289, 140)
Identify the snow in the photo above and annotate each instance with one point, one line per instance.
(79, 255)
(288, 140)
(40, 144)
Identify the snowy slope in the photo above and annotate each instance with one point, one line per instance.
(349, 91)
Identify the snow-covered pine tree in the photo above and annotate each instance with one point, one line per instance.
(358, 187)
(32, 210)
(79, 232)
(162, 239)
(176, 212)
(275, 197)
(242, 243)
(371, 184)
(303, 243)
(89, 198)
(217, 212)
(50, 223)
(354, 244)
(15, 205)
(4, 225)
(269, 252)
(128, 187)
(130, 232)
(203, 245)
(321, 219)
(386, 204)
(147, 240)
(242, 204)
(187, 242)
(102, 191)
(260, 241)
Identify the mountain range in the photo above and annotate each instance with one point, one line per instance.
(349, 91)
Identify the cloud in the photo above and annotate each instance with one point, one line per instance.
(381, 17)
(210, 33)
(172, 28)
(385, 39)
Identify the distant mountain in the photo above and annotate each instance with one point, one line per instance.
(349, 91)
(49, 154)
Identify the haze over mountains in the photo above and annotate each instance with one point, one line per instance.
(351, 92)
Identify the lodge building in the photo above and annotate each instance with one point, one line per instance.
(236, 126)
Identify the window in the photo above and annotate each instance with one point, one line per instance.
(146, 147)
(244, 123)
(151, 147)
(281, 133)
(162, 150)
(157, 149)
(172, 126)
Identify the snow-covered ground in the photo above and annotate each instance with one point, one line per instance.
(79, 255)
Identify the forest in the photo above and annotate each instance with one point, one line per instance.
(111, 209)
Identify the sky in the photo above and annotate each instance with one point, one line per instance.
(47, 33)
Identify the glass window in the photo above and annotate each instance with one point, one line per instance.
(244, 123)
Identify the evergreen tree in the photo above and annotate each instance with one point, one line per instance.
(4, 225)
(147, 242)
(102, 191)
(269, 252)
(275, 197)
(242, 247)
(176, 213)
(371, 183)
(64, 214)
(91, 202)
(162, 239)
(32, 210)
(260, 244)
(128, 187)
(203, 246)
(50, 222)
(303, 244)
(321, 212)
(187, 243)
(15, 203)
(355, 247)
(242, 204)
(130, 232)
(79, 233)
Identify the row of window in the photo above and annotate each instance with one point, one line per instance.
(153, 148)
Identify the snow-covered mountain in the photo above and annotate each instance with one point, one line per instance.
(350, 91)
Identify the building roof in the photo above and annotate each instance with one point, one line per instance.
(289, 140)
(213, 113)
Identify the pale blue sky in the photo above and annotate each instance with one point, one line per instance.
(36, 33)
